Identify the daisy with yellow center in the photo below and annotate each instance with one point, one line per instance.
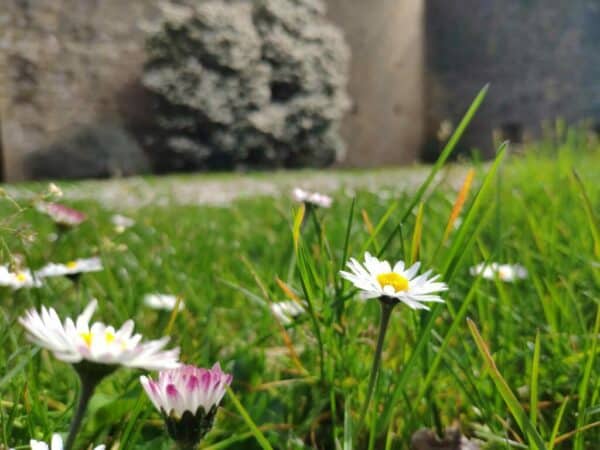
(95, 350)
(17, 279)
(70, 268)
(78, 341)
(378, 279)
(391, 285)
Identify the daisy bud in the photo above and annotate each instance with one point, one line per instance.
(188, 398)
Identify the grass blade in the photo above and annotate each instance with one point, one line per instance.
(507, 395)
(447, 151)
(258, 435)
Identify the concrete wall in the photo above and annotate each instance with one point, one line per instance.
(386, 123)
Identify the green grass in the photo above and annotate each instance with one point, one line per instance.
(525, 371)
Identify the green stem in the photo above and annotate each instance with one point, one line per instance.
(386, 312)
(88, 385)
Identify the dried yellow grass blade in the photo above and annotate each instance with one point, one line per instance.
(298, 220)
(461, 198)
(416, 240)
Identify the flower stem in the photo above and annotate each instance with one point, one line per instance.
(386, 312)
(88, 385)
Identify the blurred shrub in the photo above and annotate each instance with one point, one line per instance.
(91, 152)
(247, 83)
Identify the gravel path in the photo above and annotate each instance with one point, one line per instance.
(222, 189)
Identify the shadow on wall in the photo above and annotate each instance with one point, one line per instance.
(98, 151)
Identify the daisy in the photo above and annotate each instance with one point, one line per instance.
(504, 272)
(18, 279)
(391, 285)
(312, 198)
(61, 215)
(71, 268)
(99, 344)
(286, 311)
(162, 301)
(188, 398)
(121, 223)
(56, 444)
(377, 279)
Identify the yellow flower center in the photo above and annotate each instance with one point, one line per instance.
(87, 338)
(109, 337)
(71, 264)
(398, 282)
(21, 277)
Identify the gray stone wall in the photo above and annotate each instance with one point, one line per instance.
(542, 58)
(71, 63)
(65, 64)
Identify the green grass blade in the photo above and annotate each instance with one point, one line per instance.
(348, 427)
(258, 435)
(557, 423)
(447, 151)
(584, 384)
(592, 221)
(535, 372)
(507, 395)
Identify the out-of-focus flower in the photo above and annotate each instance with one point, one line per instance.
(77, 342)
(188, 398)
(286, 311)
(445, 130)
(312, 198)
(55, 444)
(504, 272)
(61, 214)
(54, 190)
(162, 301)
(75, 267)
(121, 223)
(377, 279)
(19, 278)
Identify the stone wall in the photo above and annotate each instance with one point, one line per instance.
(70, 63)
(64, 64)
(542, 58)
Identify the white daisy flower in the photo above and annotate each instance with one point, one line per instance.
(188, 398)
(286, 311)
(18, 279)
(377, 279)
(121, 223)
(312, 198)
(77, 341)
(504, 272)
(75, 267)
(162, 301)
(55, 444)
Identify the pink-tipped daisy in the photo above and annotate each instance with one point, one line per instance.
(188, 398)
(61, 214)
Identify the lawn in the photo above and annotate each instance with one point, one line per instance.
(513, 363)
